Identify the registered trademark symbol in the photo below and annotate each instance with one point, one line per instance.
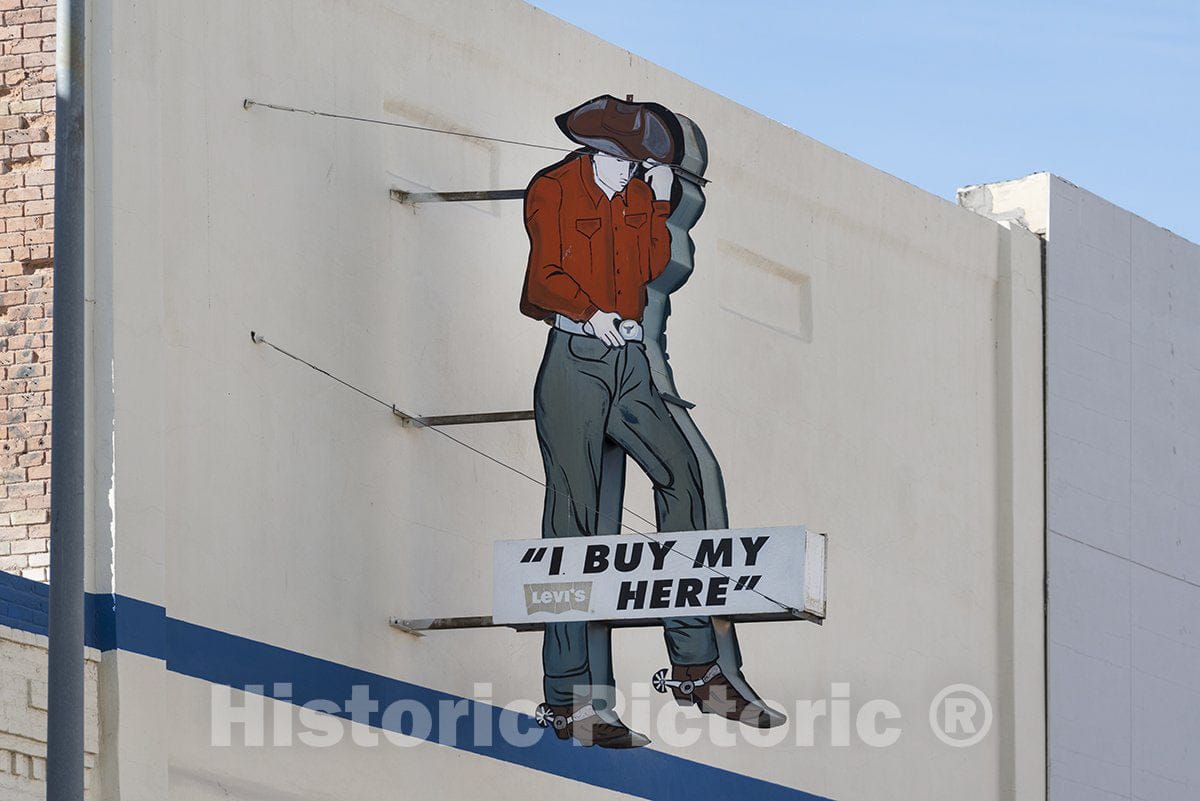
(960, 715)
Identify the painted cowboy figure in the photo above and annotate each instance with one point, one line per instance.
(598, 235)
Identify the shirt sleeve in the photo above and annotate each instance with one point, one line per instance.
(660, 238)
(547, 285)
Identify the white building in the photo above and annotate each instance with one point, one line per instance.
(865, 359)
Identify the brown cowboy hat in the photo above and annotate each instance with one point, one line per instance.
(636, 131)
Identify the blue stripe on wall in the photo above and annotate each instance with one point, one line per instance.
(115, 622)
(24, 604)
(118, 622)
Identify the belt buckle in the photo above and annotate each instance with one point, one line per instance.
(630, 330)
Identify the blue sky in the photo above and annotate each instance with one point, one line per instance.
(944, 93)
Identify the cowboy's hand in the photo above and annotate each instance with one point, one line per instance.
(604, 328)
(661, 179)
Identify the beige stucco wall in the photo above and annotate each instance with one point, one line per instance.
(865, 357)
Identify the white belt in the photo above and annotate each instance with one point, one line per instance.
(630, 330)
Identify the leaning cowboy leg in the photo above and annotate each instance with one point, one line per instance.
(642, 423)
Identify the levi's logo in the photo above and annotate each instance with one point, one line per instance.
(558, 597)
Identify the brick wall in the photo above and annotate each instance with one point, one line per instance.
(24, 607)
(26, 281)
(23, 669)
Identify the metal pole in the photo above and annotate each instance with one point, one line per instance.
(64, 741)
(462, 419)
(402, 196)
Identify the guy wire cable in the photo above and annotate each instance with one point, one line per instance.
(248, 103)
(258, 338)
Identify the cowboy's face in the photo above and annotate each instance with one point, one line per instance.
(612, 171)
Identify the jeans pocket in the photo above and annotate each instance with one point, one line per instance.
(587, 348)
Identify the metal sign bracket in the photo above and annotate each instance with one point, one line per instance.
(418, 626)
(411, 421)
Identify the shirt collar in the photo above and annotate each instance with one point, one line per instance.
(587, 174)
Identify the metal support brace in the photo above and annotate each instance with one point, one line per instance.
(412, 198)
(409, 420)
(418, 626)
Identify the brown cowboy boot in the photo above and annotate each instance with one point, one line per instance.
(587, 727)
(709, 688)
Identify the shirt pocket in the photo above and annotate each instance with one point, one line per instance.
(588, 226)
(635, 220)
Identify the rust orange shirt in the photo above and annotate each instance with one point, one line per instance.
(587, 252)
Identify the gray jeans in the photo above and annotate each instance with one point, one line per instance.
(587, 395)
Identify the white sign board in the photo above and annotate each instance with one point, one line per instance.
(754, 571)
